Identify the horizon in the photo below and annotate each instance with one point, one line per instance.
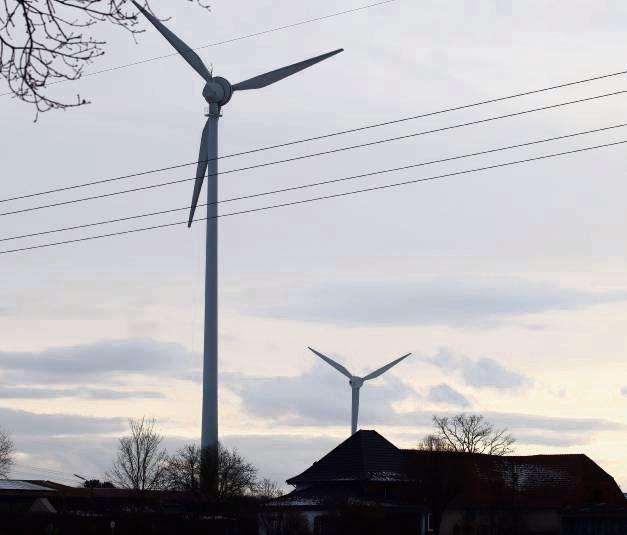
(507, 285)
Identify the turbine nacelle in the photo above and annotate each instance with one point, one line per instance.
(218, 91)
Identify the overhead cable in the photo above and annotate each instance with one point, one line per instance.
(320, 183)
(314, 199)
(316, 138)
(312, 155)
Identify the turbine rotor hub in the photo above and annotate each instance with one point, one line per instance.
(356, 382)
(217, 91)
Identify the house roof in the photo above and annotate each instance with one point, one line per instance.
(469, 479)
(552, 481)
(19, 485)
(365, 456)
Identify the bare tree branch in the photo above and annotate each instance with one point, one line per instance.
(6, 454)
(46, 41)
(432, 442)
(140, 462)
(236, 476)
(470, 433)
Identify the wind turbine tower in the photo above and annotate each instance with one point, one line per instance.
(357, 382)
(217, 92)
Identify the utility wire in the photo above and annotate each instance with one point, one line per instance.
(217, 43)
(316, 138)
(324, 197)
(312, 155)
(32, 469)
(319, 183)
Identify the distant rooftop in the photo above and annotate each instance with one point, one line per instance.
(16, 484)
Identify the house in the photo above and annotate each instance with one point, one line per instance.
(37, 507)
(368, 485)
(25, 497)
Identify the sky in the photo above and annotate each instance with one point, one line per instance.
(509, 286)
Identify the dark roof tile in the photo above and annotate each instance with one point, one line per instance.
(365, 456)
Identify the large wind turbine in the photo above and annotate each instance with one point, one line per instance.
(217, 92)
(357, 382)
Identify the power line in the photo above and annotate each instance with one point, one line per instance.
(226, 41)
(41, 469)
(321, 183)
(315, 154)
(324, 197)
(316, 138)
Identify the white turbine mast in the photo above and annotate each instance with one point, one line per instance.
(357, 382)
(217, 92)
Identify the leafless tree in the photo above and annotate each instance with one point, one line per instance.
(236, 476)
(472, 433)
(182, 470)
(6, 453)
(432, 442)
(268, 489)
(43, 42)
(140, 462)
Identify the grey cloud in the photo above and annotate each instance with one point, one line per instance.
(553, 424)
(17, 392)
(93, 362)
(458, 302)
(318, 396)
(444, 394)
(563, 440)
(58, 458)
(20, 422)
(480, 373)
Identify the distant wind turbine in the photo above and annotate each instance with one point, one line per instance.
(357, 382)
(217, 92)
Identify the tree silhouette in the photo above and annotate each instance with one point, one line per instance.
(6, 453)
(140, 462)
(44, 42)
(470, 433)
(236, 476)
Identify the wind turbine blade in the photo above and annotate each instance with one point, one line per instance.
(188, 54)
(385, 368)
(203, 155)
(330, 361)
(274, 76)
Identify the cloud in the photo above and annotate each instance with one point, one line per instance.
(444, 394)
(319, 396)
(17, 392)
(20, 422)
(95, 362)
(546, 438)
(439, 301)
(481, 373)
(517, 421)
